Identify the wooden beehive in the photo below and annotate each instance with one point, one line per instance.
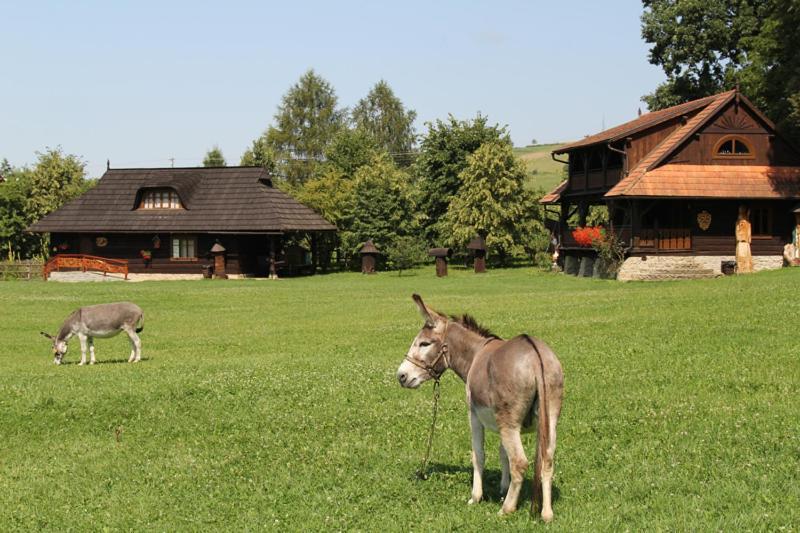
(441, 255)
(369, 257)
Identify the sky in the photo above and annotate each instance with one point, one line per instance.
(142, 82)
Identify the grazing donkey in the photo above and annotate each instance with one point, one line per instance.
(103, 320)
(509, 382)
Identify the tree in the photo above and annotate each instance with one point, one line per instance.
(260, 154)
(380, 206)
(705, 46)
(700, 44)
(55, 179)
(350, 150)
(14, 193)
(306, 122)
(443, 156)
(494, 203)
(214, 158)
(406, 252)
(382, 115)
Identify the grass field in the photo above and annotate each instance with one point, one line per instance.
(274, 406)
(543, 172)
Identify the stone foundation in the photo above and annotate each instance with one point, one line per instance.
(666, 267)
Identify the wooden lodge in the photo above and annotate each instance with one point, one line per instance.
(181, 221)
(673, 182)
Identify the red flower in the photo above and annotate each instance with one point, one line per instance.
(588, 235)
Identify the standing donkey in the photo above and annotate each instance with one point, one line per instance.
(509, 382)
(103, 320)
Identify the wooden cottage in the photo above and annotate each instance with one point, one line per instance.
(674, 182)
(180, 220)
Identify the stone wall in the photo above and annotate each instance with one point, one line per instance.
(666, 267)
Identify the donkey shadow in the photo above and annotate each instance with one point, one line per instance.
(491, 482)
(104, 362)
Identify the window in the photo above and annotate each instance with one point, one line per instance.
(733, 147)
(613, 159)
(160, 199)
(761, 221)
(595, 160)
(577, 162)
(183, 247)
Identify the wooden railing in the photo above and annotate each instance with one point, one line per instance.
(664, 239)
(86, 262)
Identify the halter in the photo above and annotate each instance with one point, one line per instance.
(441, 354)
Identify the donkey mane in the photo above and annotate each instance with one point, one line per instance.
(469, 322)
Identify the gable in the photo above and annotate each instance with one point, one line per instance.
(737, 135)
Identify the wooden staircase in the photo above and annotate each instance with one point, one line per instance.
(84, 263)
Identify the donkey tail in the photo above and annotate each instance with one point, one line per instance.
(140, 323)
(543, 432)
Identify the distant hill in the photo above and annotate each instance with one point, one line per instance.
(543, 172)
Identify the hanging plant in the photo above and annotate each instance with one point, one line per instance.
(156, 242)
(147, 255)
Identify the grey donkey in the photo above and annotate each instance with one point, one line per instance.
(102, 320)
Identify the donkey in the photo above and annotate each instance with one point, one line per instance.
(509, 382)
(102, 320)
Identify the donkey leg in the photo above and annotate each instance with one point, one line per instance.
(505, 478)
(82, 338)
(518, 465)
(137, 345)
(91, 351)
(131, 335)
(548, 457)
(478, 457)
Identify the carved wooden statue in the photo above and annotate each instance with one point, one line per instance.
(744, 260)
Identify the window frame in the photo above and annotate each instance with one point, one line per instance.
(181, 239)
(734, 140)
(765, 215)
(154, 199)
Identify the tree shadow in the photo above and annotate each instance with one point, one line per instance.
(491, 482)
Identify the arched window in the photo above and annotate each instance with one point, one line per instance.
(733, 147)
(160, 199)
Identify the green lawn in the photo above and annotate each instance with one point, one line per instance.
(273, 405)
(543, 172)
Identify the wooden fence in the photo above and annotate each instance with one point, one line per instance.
(25, 270)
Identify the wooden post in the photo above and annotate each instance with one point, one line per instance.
(273, 270)
(314, 252)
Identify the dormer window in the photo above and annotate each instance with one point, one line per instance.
(160, 199)
(733, 147)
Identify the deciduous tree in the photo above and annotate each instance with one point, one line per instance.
(443, 156)
(214, 158)
(493, 202)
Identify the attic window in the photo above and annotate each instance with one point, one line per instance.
(160, 199)
(733, 147)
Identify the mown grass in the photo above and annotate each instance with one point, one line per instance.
(273, 405)
(543, 172)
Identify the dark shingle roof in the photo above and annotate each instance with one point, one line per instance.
(225, 199)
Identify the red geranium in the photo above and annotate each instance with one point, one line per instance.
(588, 235)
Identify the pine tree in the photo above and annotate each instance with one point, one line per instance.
(214, 158)
(381, 114)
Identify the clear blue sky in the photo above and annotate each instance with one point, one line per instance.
(140, 82)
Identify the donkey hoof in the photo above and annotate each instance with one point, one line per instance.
(473, 501)
(547, 516)
(81, 363)
(504, 510)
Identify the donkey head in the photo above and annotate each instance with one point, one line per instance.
(59, 347)
(426, 358)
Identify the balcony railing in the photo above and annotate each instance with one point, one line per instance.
(85, 262)
(676, 239)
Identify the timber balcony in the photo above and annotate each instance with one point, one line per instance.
(646, 240)
(84, 263)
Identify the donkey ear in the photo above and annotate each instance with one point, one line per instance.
(427, 314)
(46, 335)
